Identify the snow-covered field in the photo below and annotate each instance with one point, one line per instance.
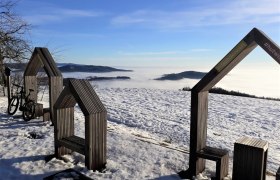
(148, 135)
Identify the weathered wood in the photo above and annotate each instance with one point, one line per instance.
(220, 156)
(250, 158)
(55, 88)
(30, 82)
(93, 146)
(41, 58)
(63, 127)
(9, 88)
(74, 143)
(278, 174)
(198, 128)
(38, 110)
(199, 112)
(46, 114)
(267, 44)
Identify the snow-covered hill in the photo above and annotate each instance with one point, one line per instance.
(148, 134)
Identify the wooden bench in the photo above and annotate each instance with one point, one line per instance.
(278, 174)
(250, 158)
(220, 156)
(73, 142)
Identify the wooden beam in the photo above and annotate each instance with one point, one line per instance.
(267, 44)
(237, 54)
(198, 131)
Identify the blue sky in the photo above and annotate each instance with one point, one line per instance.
(148, 32)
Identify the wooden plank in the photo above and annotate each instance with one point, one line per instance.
(86, 97)
(46, 114)
(55, 88)
(211, 153)
(38, 110)
(64, 118)
(33, 64)
(30, 82)
(198, 131)
(267, 44)
(51, 62)
(74, 143)
(236, 55)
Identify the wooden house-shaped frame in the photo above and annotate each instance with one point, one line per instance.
(199, 94)
(93, 146)
(41, 58)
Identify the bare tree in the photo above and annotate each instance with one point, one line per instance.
(14, 45)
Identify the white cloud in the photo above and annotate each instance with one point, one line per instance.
(151, 53)
(52, 14)
(163, 53)
(234, 12)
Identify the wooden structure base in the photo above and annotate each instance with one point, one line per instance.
(220, 156)
(250, 158)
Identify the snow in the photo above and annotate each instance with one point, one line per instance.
(148, 135)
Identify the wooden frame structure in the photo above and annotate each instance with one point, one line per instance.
(199, 93)
(93, 146)
(41, 58)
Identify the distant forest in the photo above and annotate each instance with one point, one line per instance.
(233, 93)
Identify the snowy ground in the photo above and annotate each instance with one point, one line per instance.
(148, 135)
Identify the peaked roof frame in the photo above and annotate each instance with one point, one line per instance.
(199, 93)
(80, 91)
(42, 58)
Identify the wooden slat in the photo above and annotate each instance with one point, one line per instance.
(199, 111)
(86, 97)
(211, 153)
(235, 56)
(46, 114)
(51, 62)
(66, 99)
(38, 109)
(73, 142)
(267, 44)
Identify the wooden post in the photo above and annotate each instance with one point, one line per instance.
(38, 109)
(63, 127)
(9, 88)
(8, 83)
(278, 174)
(30, 82)
(250, 158)
(198, 131)
(55, 88)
